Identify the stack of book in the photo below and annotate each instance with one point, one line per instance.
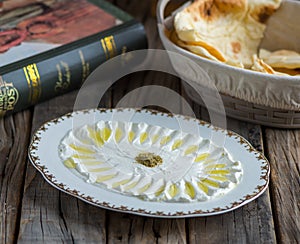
(48, 48)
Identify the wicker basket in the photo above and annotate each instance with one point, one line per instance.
(264, 99)
(247, 111)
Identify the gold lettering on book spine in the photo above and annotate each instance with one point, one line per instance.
(9, 97)
(109, 47)
(85, 66)
(34, 83)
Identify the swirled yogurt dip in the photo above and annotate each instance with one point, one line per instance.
(150, 162)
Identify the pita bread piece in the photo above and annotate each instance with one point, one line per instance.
(281, 59)
(230, 26)
(260, 66)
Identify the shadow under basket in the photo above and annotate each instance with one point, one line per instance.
(251, 112)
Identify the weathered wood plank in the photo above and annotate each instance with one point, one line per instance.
(14, 138)
(49, 215)
(283, 149)
(142, 230)
(170, 231)
(118, 227)
(252, 223)
(135, 229)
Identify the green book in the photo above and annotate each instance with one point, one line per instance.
(48, 48)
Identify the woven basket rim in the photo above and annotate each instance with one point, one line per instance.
(254, 113)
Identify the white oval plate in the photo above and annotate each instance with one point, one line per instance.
(44, 155)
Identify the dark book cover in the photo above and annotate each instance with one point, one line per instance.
(49, 47)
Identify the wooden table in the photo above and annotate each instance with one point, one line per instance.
(33, 211)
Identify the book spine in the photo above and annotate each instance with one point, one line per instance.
(40, 78)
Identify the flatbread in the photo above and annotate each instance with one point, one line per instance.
(261, 10)
(199, 50)
(261, 66)
(234, 28)
(293, 72)
(203, 50)
(281, 59)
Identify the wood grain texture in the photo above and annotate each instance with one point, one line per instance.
(40, 213)
(14, 137)
(135, 229)
(49, 215)
(123, 228)
(283, 149)
(142, 230)
(252, 223)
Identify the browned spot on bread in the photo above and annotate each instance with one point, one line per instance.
(236, 47)
(211, 10)
(262, 13)
(230, 5)
(205, 9)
